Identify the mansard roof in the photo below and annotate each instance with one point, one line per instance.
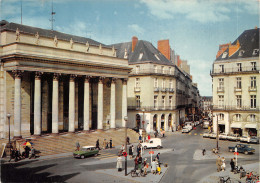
(246, 45)
(144, 52)
(6, 26)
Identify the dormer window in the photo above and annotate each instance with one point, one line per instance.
(156, 56)
(125, 54)
(224, 55)
(140, 56)
(241, 53)
(255, 52)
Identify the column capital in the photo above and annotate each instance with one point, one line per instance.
(17, 73)
(101, 79)
(124, 81)
(72, 77)
(87, 78)
(38, 75)
(56, 76)
(113, 80)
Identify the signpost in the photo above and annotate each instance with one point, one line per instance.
(151, 152)
(236, 153)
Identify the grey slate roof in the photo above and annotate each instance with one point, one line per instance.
(144, 47)
(249, 42)
(4, 25)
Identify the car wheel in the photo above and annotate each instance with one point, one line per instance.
(158, 147)
(230, 150)
(246, 152)
(95, 154)
(145, 147)
(82, 156)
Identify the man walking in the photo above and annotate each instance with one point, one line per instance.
(218, 163)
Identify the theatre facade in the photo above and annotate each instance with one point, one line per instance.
(51, 82)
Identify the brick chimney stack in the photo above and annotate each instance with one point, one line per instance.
(164, 47)
(134, 42)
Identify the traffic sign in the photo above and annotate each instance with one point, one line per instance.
(151, 152)
(125, 154)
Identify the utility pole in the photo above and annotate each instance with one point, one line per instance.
(21, 11)
(52, 16)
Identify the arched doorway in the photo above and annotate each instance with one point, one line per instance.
(138, 121)
(154, 122)
(162, 121)
(170, 121)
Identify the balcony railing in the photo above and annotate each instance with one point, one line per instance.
(220, 89)
(137, 89)
(252, 89)
(235, 107)
(156, 89)
(237, 89)
(153, 71)
(151, 108)
(163, 89)
(171, 90)
(234, 70)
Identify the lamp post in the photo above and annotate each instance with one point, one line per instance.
(9, 143)
(143, 118)
(217, 132)
(126, 118)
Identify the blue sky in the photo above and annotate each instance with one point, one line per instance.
(195, 28)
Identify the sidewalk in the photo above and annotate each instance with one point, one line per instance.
(213, 178)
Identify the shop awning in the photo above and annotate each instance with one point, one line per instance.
(251, 125)
(236, 125)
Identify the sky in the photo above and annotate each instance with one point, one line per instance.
(195, 28)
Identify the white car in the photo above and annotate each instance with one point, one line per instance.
(185, 129)
(234, 137)
(152, 143)
(245, 139)
(206, 135)
(212, 135)
(223, 136)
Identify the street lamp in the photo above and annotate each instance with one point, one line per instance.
(125, 118)
(143, 110)
(217, 132)
(9, 143)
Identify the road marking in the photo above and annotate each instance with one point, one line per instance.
(105, 156)
(201, 134)
(189, 133)
(195, 133)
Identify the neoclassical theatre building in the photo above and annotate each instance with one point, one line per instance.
(52, 82)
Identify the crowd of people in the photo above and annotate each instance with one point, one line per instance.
(106, 144)
(27, 153)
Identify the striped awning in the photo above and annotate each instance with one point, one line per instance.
(251, 125)
(236, 125)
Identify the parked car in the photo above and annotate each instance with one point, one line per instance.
(205, 124)
(189, 124)
(245, 139)
(186, 129)
(86, 151)
(254, 140)
(212, 135)
(242, 148)
(233, 137)
(152, 143)
(206, 135)
(223, 136)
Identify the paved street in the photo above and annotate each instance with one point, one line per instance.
(182, 152)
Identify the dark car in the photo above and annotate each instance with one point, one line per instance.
(86, 151)
(242, 148)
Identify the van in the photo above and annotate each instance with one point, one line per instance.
(152, 143)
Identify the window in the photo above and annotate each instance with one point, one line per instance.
(221, 100)
(137, 99)
(239, 101)
(221, 82)
(224, 55)
(221, 68)
(238, 117)
(155, 69)
(253, 82)
(163, 101)
(137, 82)
(170, 70)
(241, 53)
(252, 118)
(170, 101)
(137, 69)
(253, 101)
(163, 83)
(155, 82)
(162, 69)
(239, 67)
(125, 54)
(253, 64)
(255, 52)
(140, 56)
(155, 101)
(221, 116)
(239, 83)
(170, 84)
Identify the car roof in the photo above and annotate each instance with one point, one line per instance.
(87, 146)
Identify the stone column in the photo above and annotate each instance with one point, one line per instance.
(100, 103)
(113, 104)
(72, 103)
(124, 101)
(55, 103)
(166, 122)
(227, 124)
(37, 104)
(86, 104)
(17, 104)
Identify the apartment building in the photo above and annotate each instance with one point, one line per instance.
(235, 75)
(206, 105)
(159, 92)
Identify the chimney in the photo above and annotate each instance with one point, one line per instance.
(164, 47)
(134, 42)
(178, 61)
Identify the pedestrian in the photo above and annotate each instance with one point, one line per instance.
(12, 154)
(127, 140)
(140, 139)
(77, 145)
(158, 158)
(136, 162)
(203, 151)
(218, 163)
(107, 145)
(153, 166)
(223, 165)
(232, 164)
(17, 155)
(138, 150)
(110, 143)
(32, 153)
(130, 151)
(145, 166)
(158, 169)
(140, 160)
(149, 137)
(155, 133)
(119, 163)
(104, 143)
(97, 144)
(123, 148)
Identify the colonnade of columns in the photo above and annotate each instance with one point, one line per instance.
(55, 103)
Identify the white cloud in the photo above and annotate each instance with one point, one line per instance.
(198, 10)
(136, 28)
(78, 28)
